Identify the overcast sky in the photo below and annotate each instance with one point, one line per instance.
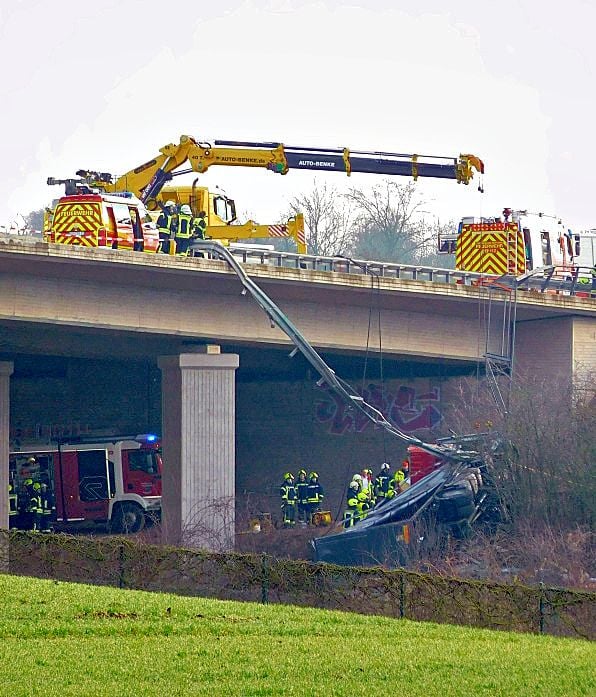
(104, 85)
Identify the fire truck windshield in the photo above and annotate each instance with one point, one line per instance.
(143, 461)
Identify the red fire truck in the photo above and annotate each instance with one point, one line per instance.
(113, 481)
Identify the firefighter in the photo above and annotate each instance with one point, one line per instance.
(364, 504)
(289, 498)
(358, 479)
(315, 495)
(184, 231)
(199, 226)
(13, 508)
(167, 224)
(382, 482)
(302, 492)
(25, 493)
(352, 512)
(365, 478)
(47, 508)
(396, 484)
(33, 505)
(370, 489)
(405, 468)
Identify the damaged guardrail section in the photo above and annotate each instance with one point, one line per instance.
(399, 593)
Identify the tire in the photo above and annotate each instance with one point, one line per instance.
(128, 518)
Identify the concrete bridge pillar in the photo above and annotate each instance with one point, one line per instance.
(5, 373)
(559, 348)
(198, 417)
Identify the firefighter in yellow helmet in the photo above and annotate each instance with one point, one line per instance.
(289, 500)
(315, 495)
(397, 484)
(302, 492)
(32, 505)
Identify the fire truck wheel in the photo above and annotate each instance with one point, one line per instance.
(128, 518)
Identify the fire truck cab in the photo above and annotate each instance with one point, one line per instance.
(117, 482)
(92, 219)
(514, 243)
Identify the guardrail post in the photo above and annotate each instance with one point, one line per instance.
(402, 595)
(121, 560)
(264, 580)
(541, 606)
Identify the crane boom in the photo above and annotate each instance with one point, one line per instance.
(147, 180)
(348, 161)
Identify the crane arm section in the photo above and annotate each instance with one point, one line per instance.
(285, 157)
(147, 180)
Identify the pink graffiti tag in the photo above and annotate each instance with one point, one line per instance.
(406, 409)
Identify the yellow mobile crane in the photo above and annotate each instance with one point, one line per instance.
(148, 181)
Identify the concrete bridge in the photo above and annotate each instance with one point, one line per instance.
(96, 303)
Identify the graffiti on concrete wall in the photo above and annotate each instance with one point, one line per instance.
(405, 407)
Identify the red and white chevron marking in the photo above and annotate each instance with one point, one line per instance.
(278, 230)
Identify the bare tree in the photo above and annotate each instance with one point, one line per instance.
(34, 219)
(328, 219)
(386, 223)
(546, 476)
(389, 225)
(428, 254)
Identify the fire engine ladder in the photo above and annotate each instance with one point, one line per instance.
(499, 350)
(328, 375)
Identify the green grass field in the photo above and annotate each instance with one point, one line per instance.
(69, 639)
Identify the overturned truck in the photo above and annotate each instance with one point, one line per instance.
(452, 496)
(448, 499)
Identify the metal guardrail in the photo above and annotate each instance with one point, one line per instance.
(362, 267)
(553, 279)
(558, 280)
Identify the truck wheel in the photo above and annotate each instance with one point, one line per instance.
(128, 518)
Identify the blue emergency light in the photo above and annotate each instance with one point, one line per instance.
(146, 437)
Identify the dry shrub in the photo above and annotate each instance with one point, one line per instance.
(544, 474)
(563, 558)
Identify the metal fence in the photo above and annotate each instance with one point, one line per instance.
(126, 563)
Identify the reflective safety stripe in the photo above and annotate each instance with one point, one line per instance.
(199, 226)
(184, 226)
